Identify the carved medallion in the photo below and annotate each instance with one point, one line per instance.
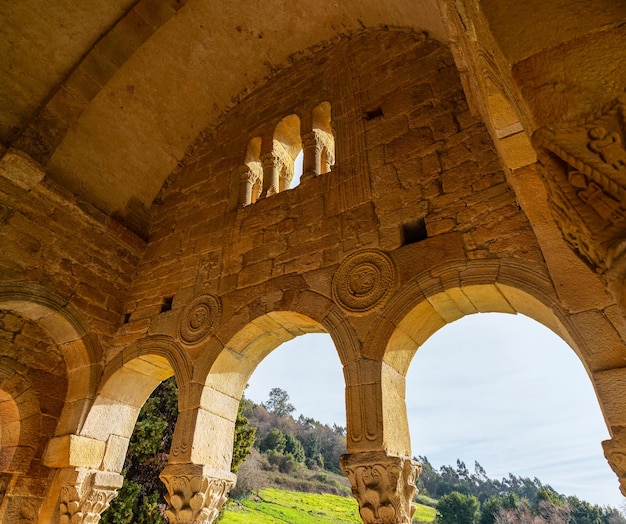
(364, 281)
(199, 318)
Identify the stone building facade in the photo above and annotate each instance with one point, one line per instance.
(458, 157)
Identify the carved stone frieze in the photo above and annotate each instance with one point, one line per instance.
(584, 170)
(84, 500)
(383, 485)
(199, 318)
(364, 281)
(195, 493)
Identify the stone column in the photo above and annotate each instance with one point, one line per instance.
(271, 174)
(311, 161)
(195, 492)
(383, 485)
(246, 180)
(85, 494)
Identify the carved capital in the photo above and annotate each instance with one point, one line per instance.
(195, 493)
(383, 485)
(86, 494)
(615, 453)
(584, 170)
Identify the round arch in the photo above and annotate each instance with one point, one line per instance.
(127, 382)
(224, 376)
(427, 304)
(20, 419)
(70, 331)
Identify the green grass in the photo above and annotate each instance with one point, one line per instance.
(279, 507)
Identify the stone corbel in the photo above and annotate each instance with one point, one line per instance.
(85, 494)
(383, 485)
(195, 492)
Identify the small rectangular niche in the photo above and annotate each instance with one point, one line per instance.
(166, 304)
(374, 113)
(126, 318)
(413, 232)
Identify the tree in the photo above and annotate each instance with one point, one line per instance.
(457, 508)
(278, 403)
(274, 441)
(294, 447)
(244, 437)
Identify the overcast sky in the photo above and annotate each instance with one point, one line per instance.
(500, 389)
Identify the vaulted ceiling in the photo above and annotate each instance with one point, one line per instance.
(109, 95)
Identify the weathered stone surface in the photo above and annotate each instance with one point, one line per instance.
(420, 202)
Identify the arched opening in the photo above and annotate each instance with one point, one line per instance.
(505, 391)
(134, 416)
(235, 368)
(287, 146)
(295, 402)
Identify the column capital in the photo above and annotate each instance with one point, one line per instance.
(195, 492)
(85, 494)
(615, 453)
(383, 485)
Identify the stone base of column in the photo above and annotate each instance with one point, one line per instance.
(195, 492)
(383, 485)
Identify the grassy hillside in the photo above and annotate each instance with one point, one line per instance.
(274, 506)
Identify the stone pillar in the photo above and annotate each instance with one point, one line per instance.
(271, 174)
(195, 492)
(311, 161)
(383, 485)
(85, 494)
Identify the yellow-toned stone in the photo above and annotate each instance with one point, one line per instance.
(74, 450)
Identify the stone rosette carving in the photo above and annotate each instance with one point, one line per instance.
(584, 171)
(199, 318)
(84, 500)
(364, 281)
(195, 495)
(383, 485)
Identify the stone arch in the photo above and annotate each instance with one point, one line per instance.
(20, 418)
(67, 327)
(128, 381)
(428, 303)
(287, 144)
(225, 374)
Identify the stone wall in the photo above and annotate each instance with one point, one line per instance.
(408, 150)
